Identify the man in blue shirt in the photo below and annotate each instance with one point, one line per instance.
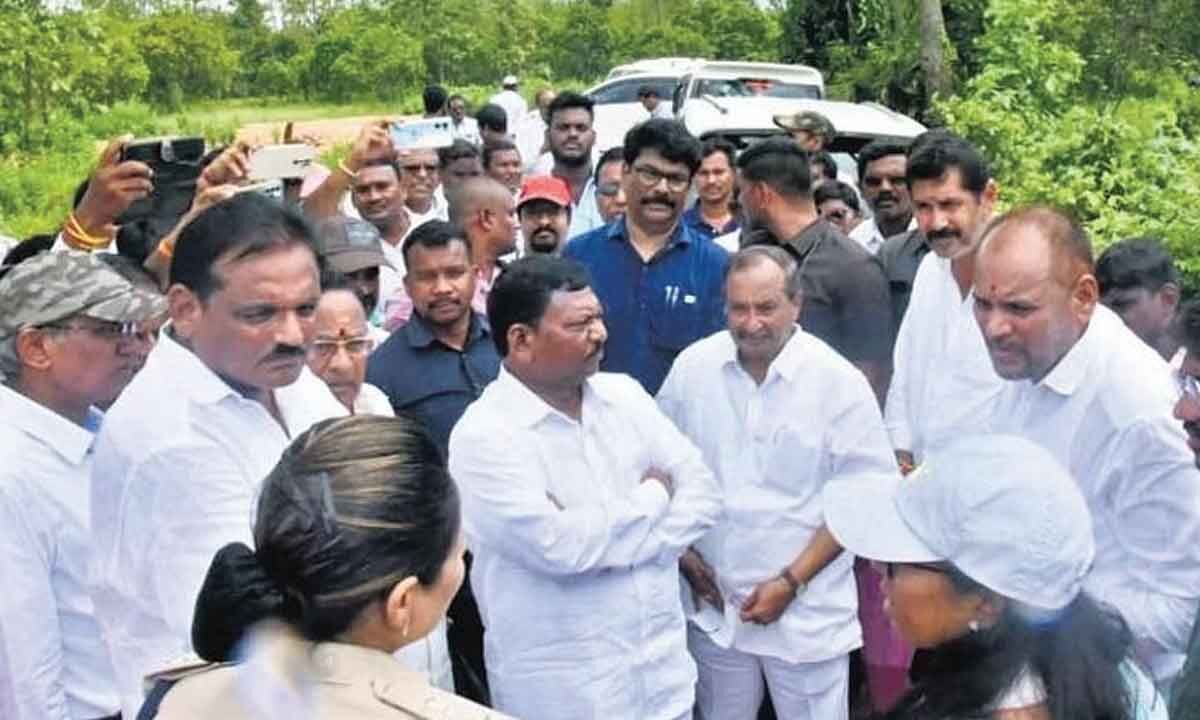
(660, 283)
(712, 215)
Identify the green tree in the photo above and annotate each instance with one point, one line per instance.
(189, 57)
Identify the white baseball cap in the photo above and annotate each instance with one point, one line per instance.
(509, 80)
(999, 508)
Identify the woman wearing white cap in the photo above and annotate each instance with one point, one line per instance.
(986, 548)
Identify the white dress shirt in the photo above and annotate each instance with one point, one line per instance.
(943, 383)
(56, 664)
(530, 138)
(514, 106)
(576, 559)
(1105, 412)
(867, 234)
(179, 463)
(773, 448)
(467, 130)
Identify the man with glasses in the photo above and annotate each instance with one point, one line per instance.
(712, 215)
(838, 203)
(661, 284)
(421, 181)
(1083, 385)
(340, 346)
(882, 169)
(610, 195)
(69, 343)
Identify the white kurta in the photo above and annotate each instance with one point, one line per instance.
(1104, 411)
(774, 447)
(943, 383)
(179, 462)
(576, 559)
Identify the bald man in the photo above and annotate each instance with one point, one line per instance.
(1085, 387)
(486, 211)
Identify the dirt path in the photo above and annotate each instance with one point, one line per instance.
(326, 133)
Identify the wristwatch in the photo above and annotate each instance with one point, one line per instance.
(798, 587)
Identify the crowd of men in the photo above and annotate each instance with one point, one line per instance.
(643, 366)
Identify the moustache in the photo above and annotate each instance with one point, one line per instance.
(944, 234)
(660, 200)
(884, 195)
(285, 352)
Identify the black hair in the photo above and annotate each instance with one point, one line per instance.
(434, 234)
(646, 91)
(389, 161)
(1135, 263)
(836, 190)
(458, 150)
(490, 149)
(613, 154)
(354, 506)
(1078, 655)
(669, 137)
(434, 98)
(718, 145)
(331, 279)
(829, 168)
(132, 271)
(568, 100)
(522, 292)
(492, 117)
(1188, 325)
(454, 97)
(244, 225)
(875, 150)
(935, 152)
(779, 163)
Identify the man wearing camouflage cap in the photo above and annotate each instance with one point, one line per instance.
(70, 340)
(812, 131)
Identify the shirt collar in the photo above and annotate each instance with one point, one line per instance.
(187, 371)
(693, 217)
(805, 241)
(681, 235)
(68, 440)
(420, 335)
(787, 363)
(1072, 369)
(526, 408)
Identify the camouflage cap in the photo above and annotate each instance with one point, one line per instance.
(54, 286)
(813, 122)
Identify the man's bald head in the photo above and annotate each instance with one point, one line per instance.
(473, 195)
(486, 212)
(1034, 290)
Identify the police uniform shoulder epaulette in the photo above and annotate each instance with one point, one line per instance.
(430, 703)
(183, 667)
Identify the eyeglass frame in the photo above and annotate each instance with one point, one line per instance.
(648, 177)
(326, 350)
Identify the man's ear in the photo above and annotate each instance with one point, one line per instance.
(186, 309)
(520, 337)
(34, 348)
(1084, 296)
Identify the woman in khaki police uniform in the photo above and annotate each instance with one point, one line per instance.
(358, 553)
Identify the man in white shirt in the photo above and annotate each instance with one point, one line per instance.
(421, 180)
(530, 131)
(942, 384)
(67, 345)
(462, 126)
(339, 350)
(510, 99)
(577, 536)
(182, 452)
(881, 176)
(1086, 388)
(654, 105)
(777, 414)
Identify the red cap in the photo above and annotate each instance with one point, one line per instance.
(545, 187)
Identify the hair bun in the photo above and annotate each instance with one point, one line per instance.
(236, 594)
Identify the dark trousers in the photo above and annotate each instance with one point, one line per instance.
(464, 635)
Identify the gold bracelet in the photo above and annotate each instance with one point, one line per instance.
(83, 236)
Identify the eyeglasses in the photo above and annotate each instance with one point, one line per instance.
(324, 350)
(608, 189)
(104, 330)
(650, 177)
(838, 215)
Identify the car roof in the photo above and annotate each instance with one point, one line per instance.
(667, 65)
(803, 74)
(649, 77)
(855, 124)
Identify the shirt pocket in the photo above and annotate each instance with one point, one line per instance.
(676, 317)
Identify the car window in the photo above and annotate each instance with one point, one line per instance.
(754, 87)
(626, 91)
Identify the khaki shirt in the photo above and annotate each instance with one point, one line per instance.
(288, 678)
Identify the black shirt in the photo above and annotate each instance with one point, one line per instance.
(846, 298)
(901, 255)
(430, 380)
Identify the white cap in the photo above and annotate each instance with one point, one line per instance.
(999, 508)
(509, 80)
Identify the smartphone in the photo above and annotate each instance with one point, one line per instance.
(272, 188)
(424, 134)
(281, 161)
(175, 162)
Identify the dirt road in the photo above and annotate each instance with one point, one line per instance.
(326, 133)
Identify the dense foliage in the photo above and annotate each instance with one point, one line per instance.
(1093, 106)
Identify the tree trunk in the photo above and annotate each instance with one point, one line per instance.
(933, 61)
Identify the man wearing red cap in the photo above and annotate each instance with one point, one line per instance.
(544, 208)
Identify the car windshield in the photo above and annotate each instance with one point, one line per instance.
(755, 87)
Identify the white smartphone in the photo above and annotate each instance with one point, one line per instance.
(281, 161)
(427, 133)
(272, 188)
